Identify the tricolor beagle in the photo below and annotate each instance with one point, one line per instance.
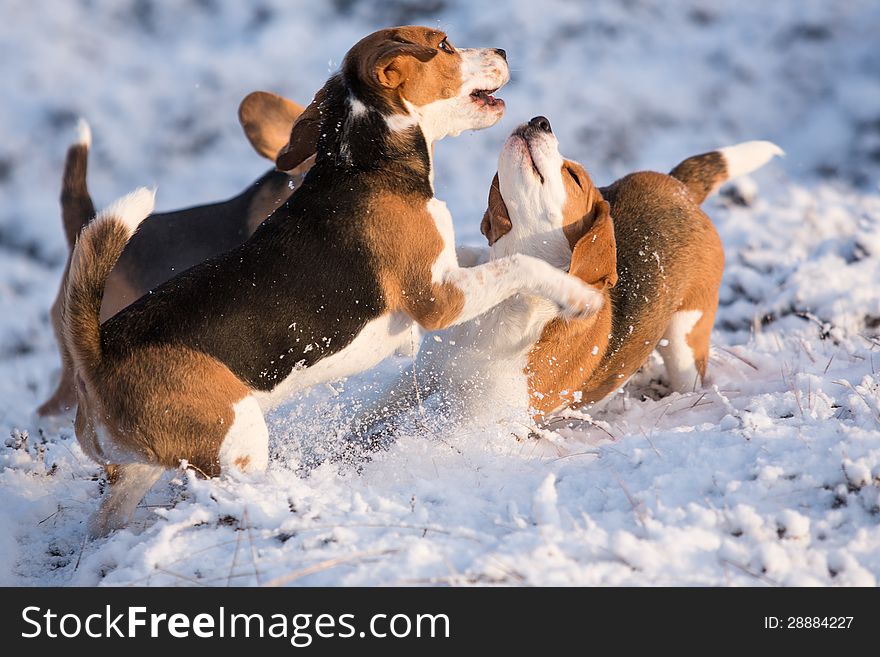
(327, 286)
(170, 242)
(644, 241)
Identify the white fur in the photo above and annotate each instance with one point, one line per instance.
(678, 357)
(357, 107)
(448, 258)
(378, 339)
(247, 440)
(130, 210)
(83, 133)
(535, 208)
(748, 156)
(401, 122)
(485, 286)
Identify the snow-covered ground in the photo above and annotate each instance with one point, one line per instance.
(770, 475)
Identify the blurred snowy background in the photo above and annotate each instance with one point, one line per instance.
(772, 476)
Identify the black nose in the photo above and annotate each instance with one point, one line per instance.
(541, 123)
(502, 52)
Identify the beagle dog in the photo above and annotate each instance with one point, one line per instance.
(643, 241)
(170, 242)
(330, 284)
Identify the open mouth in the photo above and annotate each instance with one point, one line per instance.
(484, 97)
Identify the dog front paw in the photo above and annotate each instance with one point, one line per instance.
(579, 300)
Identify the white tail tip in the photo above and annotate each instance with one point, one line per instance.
(83, 134)
(131, 209)
(748, 156)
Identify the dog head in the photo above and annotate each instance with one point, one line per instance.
(404, 77)
(544, 205)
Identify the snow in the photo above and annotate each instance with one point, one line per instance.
(770, 475)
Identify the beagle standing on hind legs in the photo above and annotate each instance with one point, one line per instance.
(327, 286)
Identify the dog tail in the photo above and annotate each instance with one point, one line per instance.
(704, 174)
(77, 208)
(96, 251)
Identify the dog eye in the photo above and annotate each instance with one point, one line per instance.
(577, 181)
(445, 46)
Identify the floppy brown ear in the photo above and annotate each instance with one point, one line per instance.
(594, 258)
(392, 64)
(496, 220)
(267, 120)
(303, 141)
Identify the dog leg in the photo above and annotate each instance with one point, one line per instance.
(64, 397)
(679, 356)
(467, 292)
(246, 445)
(129, 483)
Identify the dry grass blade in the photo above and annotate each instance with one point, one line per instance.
(738, 357)
(326, 565)
(253, 550)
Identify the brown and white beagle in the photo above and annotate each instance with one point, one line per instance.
(327, 286)
(169, 242)
(643, 241)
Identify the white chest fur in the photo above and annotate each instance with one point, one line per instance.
(447, 259)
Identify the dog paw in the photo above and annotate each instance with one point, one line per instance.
(580, 300)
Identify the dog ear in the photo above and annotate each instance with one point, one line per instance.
(496, 220)
(267, 120)
(594, 257)
(390, 65)
(297, 154)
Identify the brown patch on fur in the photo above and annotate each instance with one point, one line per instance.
(111, 473)
(404, 239)
(702, 174)
(267, 120)
(702, 295)
(569, 351)
(594, 258)
(242, 462)
(405, 63)
(581, 197)
(159, 405)
(496, 221)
